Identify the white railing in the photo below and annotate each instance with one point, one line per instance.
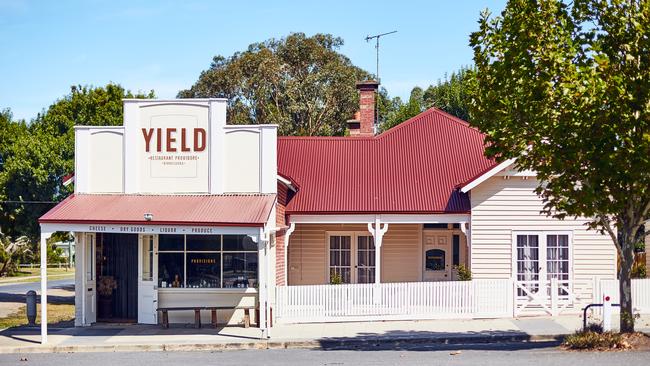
(640, 293)
(395, 301)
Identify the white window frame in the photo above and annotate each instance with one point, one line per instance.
(542, 237)
(354, 250)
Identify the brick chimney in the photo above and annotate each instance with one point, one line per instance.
(366, 118)
(354, 124)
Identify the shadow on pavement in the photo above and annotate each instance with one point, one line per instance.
(430, 340)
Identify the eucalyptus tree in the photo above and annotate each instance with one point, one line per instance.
(301, 83)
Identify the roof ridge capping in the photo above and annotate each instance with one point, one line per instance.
(414, 119)
(432, 110)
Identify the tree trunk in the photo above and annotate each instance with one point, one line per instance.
(625, 283)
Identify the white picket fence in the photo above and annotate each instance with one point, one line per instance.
(448, 300)
(640, 293)
(395, 301)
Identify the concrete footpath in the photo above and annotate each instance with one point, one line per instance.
(352, 335)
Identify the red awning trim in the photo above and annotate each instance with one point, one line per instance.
(252, 210)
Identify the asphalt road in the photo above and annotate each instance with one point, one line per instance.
(481, 355)
(12, 294)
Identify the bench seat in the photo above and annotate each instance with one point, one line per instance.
(197, 313)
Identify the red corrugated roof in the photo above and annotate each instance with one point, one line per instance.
(217, 210)
(412, 168)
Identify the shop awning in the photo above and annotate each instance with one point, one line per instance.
(192, 210)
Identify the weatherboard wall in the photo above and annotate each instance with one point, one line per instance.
(502, 206)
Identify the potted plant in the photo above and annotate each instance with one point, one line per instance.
(105, 289)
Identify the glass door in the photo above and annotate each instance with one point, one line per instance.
(541, 258)
(528, 263)
(365, 259)
(90, 284)
(147, 280)
(557, 261)
(340, 253)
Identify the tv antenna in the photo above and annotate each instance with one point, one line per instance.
(376, 37)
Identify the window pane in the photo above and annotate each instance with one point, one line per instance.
(147, 258)
(203, 243)
(564, 252)
(363, 242)
(240, 270)
(436, 226)
(346, 275)
(522, 241)
(171, 242)
(533, 241)
(90, 257)
(345, 242)
(435, 260)
(238, 243)
(334, 258)
(170, 270)
(363, 258)
(203, 270)
(335, 242)
(345, 258)
(455, 250)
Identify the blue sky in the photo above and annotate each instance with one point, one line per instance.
(47, 46)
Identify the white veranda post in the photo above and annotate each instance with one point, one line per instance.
(44, 237)
(466, 230)
(377, 232)
(263, 291)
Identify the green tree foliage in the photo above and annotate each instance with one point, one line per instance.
(564, 87)
(301, 83)
(11, 251)
(38, 159)
(10, 130)
(403, 111)
(452, 94)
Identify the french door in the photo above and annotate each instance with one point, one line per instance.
(89, 281)
(540, 258)
(351, 258)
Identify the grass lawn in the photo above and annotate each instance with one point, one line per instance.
(26, 272)
(32, 275)
(56, 313)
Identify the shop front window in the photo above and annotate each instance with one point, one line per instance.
(239, 270)
(207, 261)
(170, 270)
(203, 270)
